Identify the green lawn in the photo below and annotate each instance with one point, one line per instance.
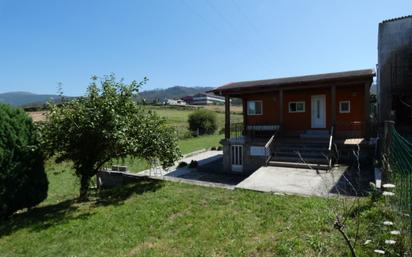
(192, 144)
(186, 146)
(153, 218)
(178, 117)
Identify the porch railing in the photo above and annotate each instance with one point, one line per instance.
(252, 130)
(330, 147)
(270, 145)
(355, 128)
(236, 130)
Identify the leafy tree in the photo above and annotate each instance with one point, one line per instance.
(105, 124)
(203, 121)
(23, 182)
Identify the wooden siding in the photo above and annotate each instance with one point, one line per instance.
(270, 107)
(302, 121)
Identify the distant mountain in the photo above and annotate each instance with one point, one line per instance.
(26, 98)
(171, 93)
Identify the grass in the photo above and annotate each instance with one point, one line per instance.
(154, 218)
(196, 143)
(177, 117)
(186, 146)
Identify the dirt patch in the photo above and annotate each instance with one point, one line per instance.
(221, 108)
(37, 116)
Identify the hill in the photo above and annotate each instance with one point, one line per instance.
(26, 98)
(171, 93)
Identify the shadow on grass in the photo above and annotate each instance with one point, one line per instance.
(117, 195)
(43, 217)
(40, 218)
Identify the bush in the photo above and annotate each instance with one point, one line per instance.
(182, 164)
(203, 121)
(193, 164)
(23, 181)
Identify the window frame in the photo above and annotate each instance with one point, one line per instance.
(255, 101)
(297, 102)
(340, 106)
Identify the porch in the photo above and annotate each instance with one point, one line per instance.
(253, 146)
(295, 122)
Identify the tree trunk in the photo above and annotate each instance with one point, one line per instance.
(84, 188)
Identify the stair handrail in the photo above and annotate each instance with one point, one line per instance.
(268, 145)
(332, 129)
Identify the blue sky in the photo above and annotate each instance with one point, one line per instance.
(184, 42)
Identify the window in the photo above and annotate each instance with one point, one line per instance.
(296, 106)
(254, 107)
(344, 107)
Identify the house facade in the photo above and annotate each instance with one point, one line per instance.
(295, 121)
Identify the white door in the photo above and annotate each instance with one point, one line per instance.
(237, 158)
(318, 111)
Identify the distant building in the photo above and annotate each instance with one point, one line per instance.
(174, 102)
(207, 99)
(395, 71)
(188, 99)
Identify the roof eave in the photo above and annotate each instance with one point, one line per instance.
(238, 90)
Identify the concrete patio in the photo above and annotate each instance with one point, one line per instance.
(307, 182)
(293, 181)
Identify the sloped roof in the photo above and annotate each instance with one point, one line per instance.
(208, 94)
(295, 81)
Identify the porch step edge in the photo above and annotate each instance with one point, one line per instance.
(299, 165)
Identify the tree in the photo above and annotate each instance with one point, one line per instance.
(105, 124)
(23, 181)
(203, 121)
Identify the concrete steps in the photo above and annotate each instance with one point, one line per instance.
(315, 134)
(309, 150)
(304, 154)
(315, 160)
(299, 165)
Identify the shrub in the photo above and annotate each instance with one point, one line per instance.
(193, 164)
(182, 164)
(203, 121)
(185, 134)
(219, 148)
(23, 181)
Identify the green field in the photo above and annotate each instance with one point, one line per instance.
(178, 116)
(186, 146)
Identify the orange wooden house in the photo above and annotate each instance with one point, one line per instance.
(295, 121)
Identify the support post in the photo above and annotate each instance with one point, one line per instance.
(333, 96)
(244, 106)
(281, 106)
(227, 117)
